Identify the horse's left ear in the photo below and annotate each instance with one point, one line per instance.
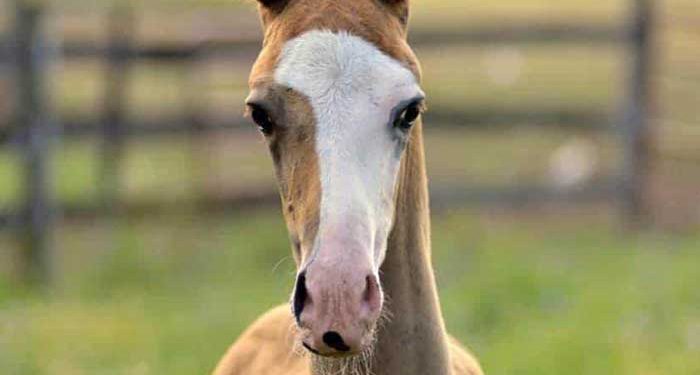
(399, 8)
(269, 9)
(273, 5)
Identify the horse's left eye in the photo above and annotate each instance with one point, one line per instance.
(262, 119)
(408, 116)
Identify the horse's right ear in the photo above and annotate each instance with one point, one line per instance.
(399, 8)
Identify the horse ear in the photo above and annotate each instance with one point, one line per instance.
(396, 2)
(274, 5)
(399, 7)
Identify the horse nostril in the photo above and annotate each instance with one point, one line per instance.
(300, 296)
(335, 341)
(372, 295)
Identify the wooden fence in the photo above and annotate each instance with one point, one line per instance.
(29, 51)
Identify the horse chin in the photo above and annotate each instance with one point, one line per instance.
(338, 355)
(359, 363)
(353, 364)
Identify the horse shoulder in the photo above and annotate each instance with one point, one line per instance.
(265, 348)
(463, 362)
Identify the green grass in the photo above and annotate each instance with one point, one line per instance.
(585, 301)
(545, 296)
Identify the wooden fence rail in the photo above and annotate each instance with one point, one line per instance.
(512, 34)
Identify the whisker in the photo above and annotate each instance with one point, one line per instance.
(279, 263)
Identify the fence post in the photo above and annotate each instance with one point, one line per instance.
(31, 59)
(637, 118)
(120, 25)
(199, 138)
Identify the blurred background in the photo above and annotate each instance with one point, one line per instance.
(140, 231)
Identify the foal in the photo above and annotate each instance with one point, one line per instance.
(335, 92)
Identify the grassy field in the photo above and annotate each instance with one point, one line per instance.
(544, 296)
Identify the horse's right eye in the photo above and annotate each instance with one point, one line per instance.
(262, 119)
(408, 116)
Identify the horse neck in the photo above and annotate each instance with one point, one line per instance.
(413, 341)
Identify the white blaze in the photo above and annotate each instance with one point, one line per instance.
(353, 89)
